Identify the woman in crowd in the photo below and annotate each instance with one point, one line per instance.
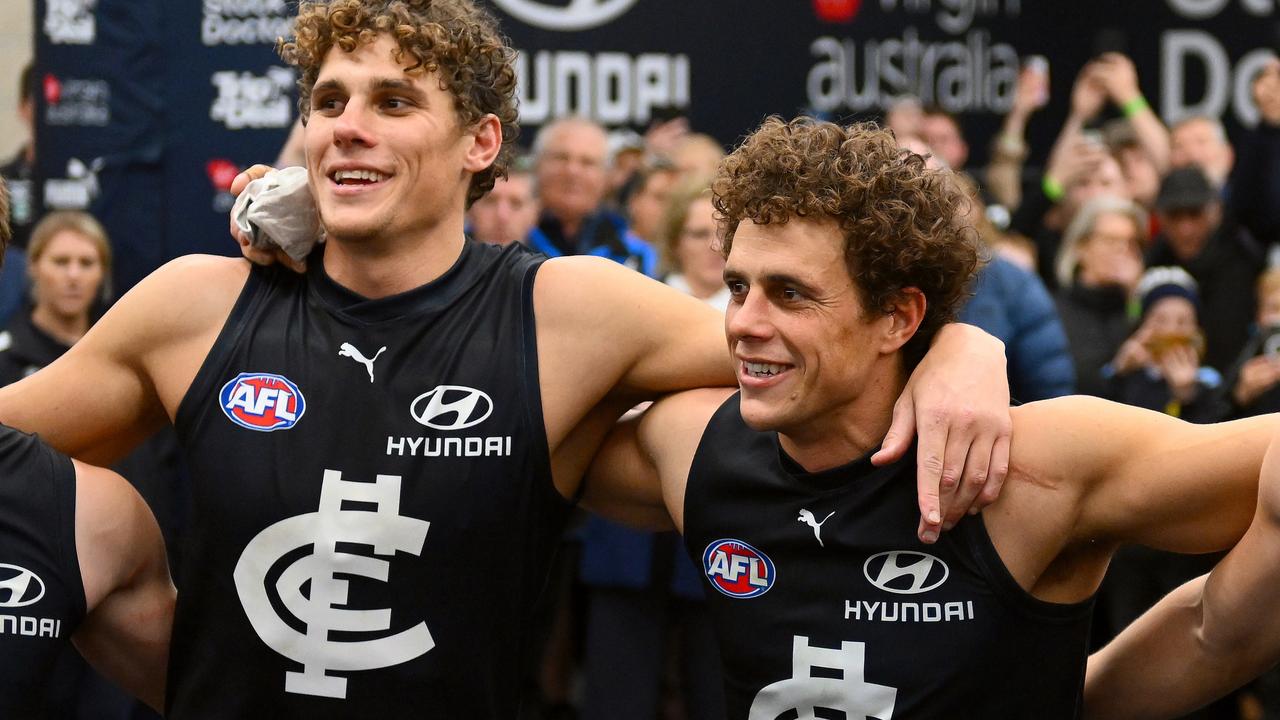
(690, 255)
(68, 261)
(1097, 270)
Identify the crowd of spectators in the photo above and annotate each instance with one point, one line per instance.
(1139, 263)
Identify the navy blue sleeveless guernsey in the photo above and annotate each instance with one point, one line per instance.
(41, 595)
(374, 511)
(823, 597)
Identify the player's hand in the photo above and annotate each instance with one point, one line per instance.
(957, 401)
(259, 256)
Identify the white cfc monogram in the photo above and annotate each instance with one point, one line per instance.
(323, 609)
(802, 693)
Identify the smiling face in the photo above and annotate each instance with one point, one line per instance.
(805, 347)
(385, 154)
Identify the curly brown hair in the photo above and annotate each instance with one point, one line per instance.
(455, 39)
(902, 223)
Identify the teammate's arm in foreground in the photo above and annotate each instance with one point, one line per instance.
(1090, 475)
(639, 475)
(128, 595)
(1204, 639)
(126, 377)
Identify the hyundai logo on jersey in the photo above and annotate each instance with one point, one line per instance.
(451, 407)
(737, 569)
(905, 572)
(262, 402)
(19, 586)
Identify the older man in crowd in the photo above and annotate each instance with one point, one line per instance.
(570, 164)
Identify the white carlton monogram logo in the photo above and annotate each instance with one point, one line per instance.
(803, 693)
(577, 15)
(886, 571)
(321, 609)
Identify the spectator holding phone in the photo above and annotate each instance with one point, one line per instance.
(1253, 385)
(1159, 366)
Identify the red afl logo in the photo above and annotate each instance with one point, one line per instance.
(737, 569)
(836, 11)
(262, 402)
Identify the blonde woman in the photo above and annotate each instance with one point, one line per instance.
(68, 262)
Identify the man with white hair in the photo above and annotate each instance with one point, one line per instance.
(571, 158)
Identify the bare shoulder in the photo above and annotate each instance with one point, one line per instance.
(115, 530)
(670, 434)
(585, 286)
(191, 288)
(1078, 429)
(686, 413)
(672, 429)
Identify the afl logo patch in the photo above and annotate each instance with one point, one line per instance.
(262, 402)
(19, 587)
(737, 569)
(905, 572)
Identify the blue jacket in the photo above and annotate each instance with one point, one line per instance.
(1012, 304)
(603, 234)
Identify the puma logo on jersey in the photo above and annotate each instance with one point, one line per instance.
(351, 351)
(807, 518)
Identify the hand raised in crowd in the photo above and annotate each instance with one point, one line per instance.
(1116, 73)
(1266, 91)
(661, 138)
(259, 256)
(1081, 159)
(1257, 376)
(1133, 353)
(1031, 93)
(1179, 364)
(1089, 95)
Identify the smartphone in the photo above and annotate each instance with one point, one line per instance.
(1037, 66)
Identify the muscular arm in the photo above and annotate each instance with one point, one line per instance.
(639, 475)
(125, 378)
(129, 596)
(1204, 639)
(1091, 475)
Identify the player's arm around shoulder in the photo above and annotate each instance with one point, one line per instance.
(616, 328)
(1138, 476)
(129, 596)
(640, 473)
(115, 386)
(1205, 638)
